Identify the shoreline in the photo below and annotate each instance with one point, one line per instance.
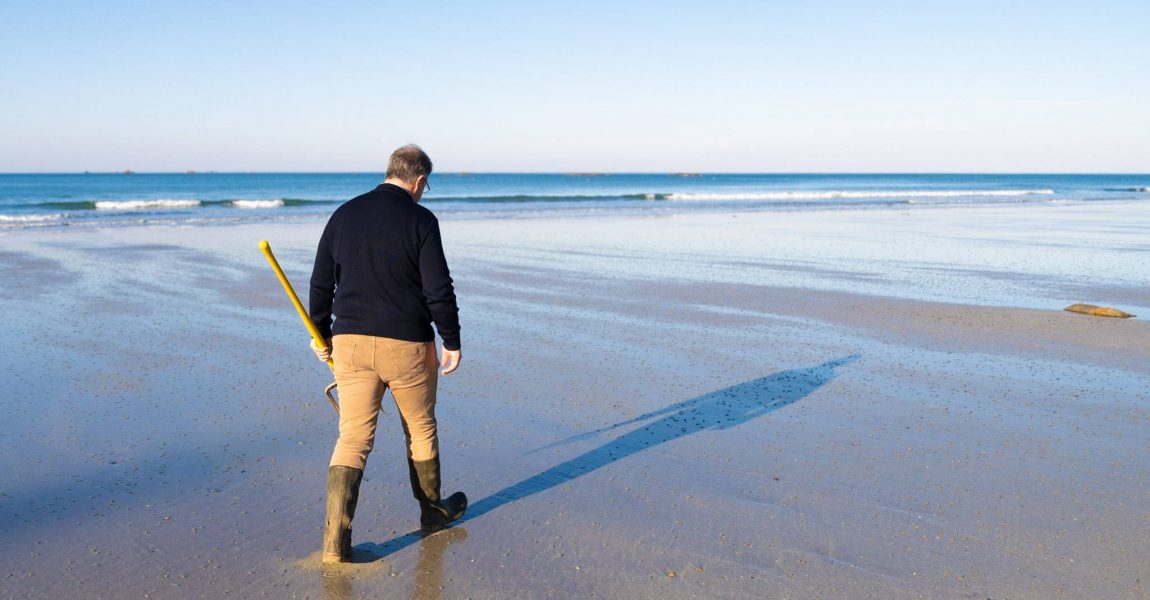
(1045, 264)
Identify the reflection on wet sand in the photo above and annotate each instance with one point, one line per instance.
(338, 580)
(428, 583)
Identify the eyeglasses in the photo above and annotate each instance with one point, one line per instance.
(426, 187)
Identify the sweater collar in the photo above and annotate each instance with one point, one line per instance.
(392, 188)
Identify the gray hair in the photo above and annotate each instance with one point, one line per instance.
(407, 163)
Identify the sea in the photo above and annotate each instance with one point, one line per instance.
(133, 199)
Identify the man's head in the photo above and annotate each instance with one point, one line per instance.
(411, 166)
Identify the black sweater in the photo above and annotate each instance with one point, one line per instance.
(380, 269)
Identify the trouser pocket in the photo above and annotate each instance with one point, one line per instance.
(405, 360)
(348, 353)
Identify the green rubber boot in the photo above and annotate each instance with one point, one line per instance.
(434, 513)
(342, 496)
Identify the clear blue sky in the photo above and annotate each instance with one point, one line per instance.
(835, 86)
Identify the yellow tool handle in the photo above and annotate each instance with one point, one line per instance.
(311, 328)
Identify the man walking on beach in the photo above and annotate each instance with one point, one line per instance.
(380, 271)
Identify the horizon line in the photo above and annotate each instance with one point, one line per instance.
(129, 172)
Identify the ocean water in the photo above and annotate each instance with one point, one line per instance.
(56, 200)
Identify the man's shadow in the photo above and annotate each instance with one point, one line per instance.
(718, 410)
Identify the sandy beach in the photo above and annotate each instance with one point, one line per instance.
(852, 404)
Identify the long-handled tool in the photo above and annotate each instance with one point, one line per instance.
(311, 328)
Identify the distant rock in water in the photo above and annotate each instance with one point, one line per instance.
(686, 174)
(1098, 311)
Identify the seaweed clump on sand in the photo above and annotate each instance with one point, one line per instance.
(1098, 311)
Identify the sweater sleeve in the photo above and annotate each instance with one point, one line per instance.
(323, 284)
(437, 287)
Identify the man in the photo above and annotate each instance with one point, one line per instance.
(380, 271)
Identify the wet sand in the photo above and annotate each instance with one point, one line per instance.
(625, 428)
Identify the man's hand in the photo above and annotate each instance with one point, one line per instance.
(322, 354)
(450, 360)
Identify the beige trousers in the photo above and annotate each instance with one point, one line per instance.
(365, 367)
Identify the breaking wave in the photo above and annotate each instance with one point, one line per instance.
(143, 204)
(30, 218)
(162, 203)
(277, 203)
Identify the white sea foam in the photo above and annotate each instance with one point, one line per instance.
(141, 204)
(30, 218)
(257, 203)
(833, 195)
